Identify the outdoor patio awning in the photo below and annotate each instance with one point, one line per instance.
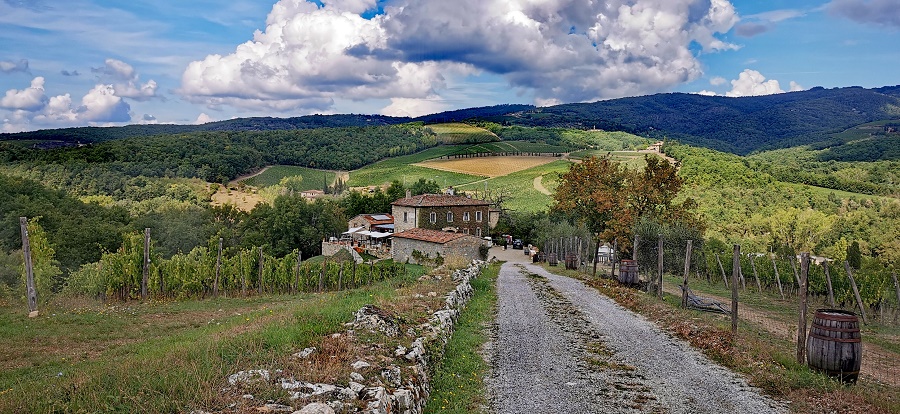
(352, 230)
(377, 235)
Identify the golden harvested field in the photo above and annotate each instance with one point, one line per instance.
(488, 166)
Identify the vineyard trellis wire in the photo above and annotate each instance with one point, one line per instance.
(118, 275)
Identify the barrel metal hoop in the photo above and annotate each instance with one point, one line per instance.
(842, 340)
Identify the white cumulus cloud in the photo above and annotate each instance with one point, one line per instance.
(31, 109)
(126, 80)
(28, 99)
(753, 83)
(562, 50)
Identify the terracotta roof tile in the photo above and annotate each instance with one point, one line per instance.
(439, 200)
(433, 236)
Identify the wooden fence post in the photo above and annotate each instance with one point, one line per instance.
(614, 258)
(31, 292)
(261, 258)
(659, 265)
(755, 275)
(735, 274)
(778, 278)
(687, 271)
(828, 281)
(596, 256)
(722, 269)
(145, 280)
(340, 276)
(634, 250)
(218, 270)
(801, 324)
(859, 301)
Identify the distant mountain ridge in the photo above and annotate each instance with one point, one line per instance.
(738, 125)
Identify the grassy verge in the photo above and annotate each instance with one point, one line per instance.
(458, 382)
(768, 361)
(162, 357)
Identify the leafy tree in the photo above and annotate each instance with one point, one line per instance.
(424, 186)
(46, 268)
(292, 184)
(854, 255)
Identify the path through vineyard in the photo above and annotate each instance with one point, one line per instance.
(561, 346)
(874, 358)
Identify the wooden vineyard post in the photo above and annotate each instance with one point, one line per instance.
(261, 270)
(297, 272)
(353, 275)
(634, 250)
(218, 270)
(896, 287)
(722, 269)
(340, 276)
(801, 325)
(687, 271)
(828, 282)
(243, 275)
(596, 255)
(755, 275)
(741, 273)
(794, 267)
(322, 276)
(31, 292)
(145, 279)
(859, 301)
(735, 274)
(778, 278)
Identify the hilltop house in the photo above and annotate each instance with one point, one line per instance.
(447, 212)
(383, 223)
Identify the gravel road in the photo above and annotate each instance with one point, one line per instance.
(560, 346)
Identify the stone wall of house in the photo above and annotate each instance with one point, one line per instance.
(402, 249)
(466, 247)
(403, 222)
(470, 226)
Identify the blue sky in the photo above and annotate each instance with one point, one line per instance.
(103, 62)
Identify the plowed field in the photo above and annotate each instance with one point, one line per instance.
(488, 166)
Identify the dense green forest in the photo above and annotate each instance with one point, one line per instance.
(222, 156)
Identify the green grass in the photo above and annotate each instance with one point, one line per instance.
(518, 187)
(631, 159)
(458, 382)
(161, 357)
(400, 169)
(454, 133)
(312, 179)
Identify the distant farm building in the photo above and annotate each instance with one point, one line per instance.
(422, 245)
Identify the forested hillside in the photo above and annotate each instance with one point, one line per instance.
(738, 125)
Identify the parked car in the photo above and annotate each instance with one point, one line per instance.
(517, 244)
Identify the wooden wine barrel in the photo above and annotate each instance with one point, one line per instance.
(834, 345)
(628, 272)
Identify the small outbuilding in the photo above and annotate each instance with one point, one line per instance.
(417, 245)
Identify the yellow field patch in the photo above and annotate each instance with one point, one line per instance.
(488, 166)
(244, 201)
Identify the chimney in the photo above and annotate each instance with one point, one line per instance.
(408, 194)
(451, 191)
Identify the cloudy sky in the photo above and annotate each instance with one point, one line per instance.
(110, 62)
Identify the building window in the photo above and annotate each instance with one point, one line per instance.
(406, 217)
(477, 216)
(433, 217)
(449, 217)
(466, 230)
(466, 216)
(478, 231)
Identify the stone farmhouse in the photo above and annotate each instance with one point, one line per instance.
(446, 212)
(445, 225)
